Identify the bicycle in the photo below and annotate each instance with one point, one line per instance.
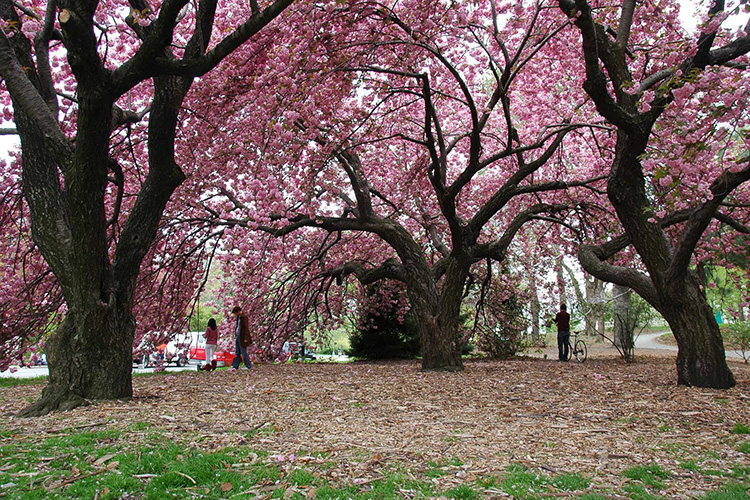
(577, 348)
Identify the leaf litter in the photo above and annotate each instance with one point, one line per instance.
(594, 419)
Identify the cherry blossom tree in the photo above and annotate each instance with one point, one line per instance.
(96, 91)
(678, 177)
(410, 143)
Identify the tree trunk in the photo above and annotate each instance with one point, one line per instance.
(595, 303)
(89, 358)
(623, 321)
(438, 316)
(561, 281)
(535, 310)
(701, 359)
(440, 349)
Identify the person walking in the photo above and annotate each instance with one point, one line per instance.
(241, 339)
(562, 319)
(212, 339)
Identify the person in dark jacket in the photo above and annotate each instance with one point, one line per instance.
(241, 339)
(562, 319)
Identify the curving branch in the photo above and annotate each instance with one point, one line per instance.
(30, 100)
(390, 269)
(626, 23)
(594, 260)
(497, 249)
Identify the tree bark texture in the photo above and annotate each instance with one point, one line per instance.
(701, 359)
(623, 321)
(669, 283)
(441, 349)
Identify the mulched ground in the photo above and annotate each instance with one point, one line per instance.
(596, 418)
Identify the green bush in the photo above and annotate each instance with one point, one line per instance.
(499, 330)
(737, 337)
(382, 334)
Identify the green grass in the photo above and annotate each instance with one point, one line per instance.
(650, 475)
(740, 429)
(521, 482)
(109, 465)
(732, 491)
(15, 382)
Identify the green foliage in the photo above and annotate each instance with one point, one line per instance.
(728, 287)
(740, 429)
(199, 319)
(500, 326)
(744, 447)
(737, 337)
(382, 334)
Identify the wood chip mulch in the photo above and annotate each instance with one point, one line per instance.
(595, 419)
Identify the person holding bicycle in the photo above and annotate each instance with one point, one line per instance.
(562, 319)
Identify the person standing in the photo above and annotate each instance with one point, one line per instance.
(562, 319)
(212, 339)
(241, 339)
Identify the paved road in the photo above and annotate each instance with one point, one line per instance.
(648, 341)
(42, 371)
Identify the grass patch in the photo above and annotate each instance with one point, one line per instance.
(740, 429)
(462, 492)
(638, 492)
(523, 483)
(732, 491)
(15, 382)
(110, 465)
(571, 482)
(650, 475)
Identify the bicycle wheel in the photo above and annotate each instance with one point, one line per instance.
(580, 351)
(570, 352)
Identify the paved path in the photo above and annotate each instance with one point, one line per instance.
(649, 341)
(42, 371)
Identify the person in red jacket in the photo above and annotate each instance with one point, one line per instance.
(241, 339)
(212, 339)
(563, 333)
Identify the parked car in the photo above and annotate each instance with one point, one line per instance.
(198, 351)
(176, 351)
(222, 357)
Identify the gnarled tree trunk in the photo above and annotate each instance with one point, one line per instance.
(441, 345)
(65, 180)
(701, 359)
(89, 358)
(668, 283)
